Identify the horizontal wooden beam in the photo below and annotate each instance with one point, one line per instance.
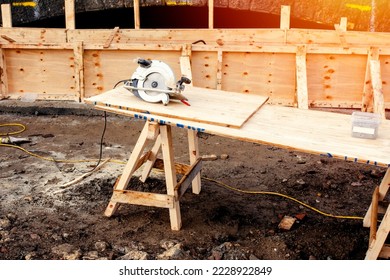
(142, 198)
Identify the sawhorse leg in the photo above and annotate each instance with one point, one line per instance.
(377, 240)
(162, 135)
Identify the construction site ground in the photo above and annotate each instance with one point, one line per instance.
(40, 219)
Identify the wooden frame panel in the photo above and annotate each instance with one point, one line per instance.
(335, 80)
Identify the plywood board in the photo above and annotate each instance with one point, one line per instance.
(47, 74)
(104, 68)
(335, 79)
(216, 107)
(265, 73)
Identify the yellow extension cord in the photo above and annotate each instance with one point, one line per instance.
(23, 128)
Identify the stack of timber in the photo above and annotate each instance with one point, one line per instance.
(294, 67)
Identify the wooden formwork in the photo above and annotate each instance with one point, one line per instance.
(294, 67)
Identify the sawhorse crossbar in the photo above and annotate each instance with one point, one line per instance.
(161, 134)
(378, 235)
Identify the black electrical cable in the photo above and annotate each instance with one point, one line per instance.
(103, 133)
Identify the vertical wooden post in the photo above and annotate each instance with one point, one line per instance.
(376, 80)
(6, 15)
(137, 21)
(343, 24)
(3, 75)
(211, 14)
(193, 144)
(367, 100)
(185, 62)
(285, 17)
(78, 52)
(170, 175)
(374, 215)
(70, 18)
(301, 77)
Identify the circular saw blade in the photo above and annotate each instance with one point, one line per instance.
(154, 81)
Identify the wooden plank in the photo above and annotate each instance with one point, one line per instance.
(341, 35)
(193, 146)
(383, 189)
(368, 98)
(3, 75)
(374, 215)
(188, 178)
(170, 175)
(143, 198)
(70, 14)
(376, 81)
(203, 101)
(302, 93)
(78, 51)
(285, 17)
(129, 169)
(112, 35)
(137, 20)
(211, 13)
(6, 15)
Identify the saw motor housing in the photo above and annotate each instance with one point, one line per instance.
(154, 81)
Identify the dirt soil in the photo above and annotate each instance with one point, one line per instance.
(39, 219)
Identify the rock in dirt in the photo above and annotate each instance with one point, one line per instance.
(5, 223)
(67, 252)
(92, 255)
(287, 222)
(168, 244)
(134, 255)
(101, 246)
(224, 156)
(174, 253)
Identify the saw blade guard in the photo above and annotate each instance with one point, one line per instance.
(153, 74)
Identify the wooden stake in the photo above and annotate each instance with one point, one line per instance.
(137, 20)
(285, 17)
(376, 81)
(368, 99)
(3, 76)
(343, 24)
(211, 14)
(219, 69)
(6, 15)
(70, 18)
(301, 76)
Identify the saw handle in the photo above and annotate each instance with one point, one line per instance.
(144, 62)
(184, 80)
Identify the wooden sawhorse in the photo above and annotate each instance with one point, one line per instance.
(377, 247)
(161, 134)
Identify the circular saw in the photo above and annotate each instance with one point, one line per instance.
(154, 81)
